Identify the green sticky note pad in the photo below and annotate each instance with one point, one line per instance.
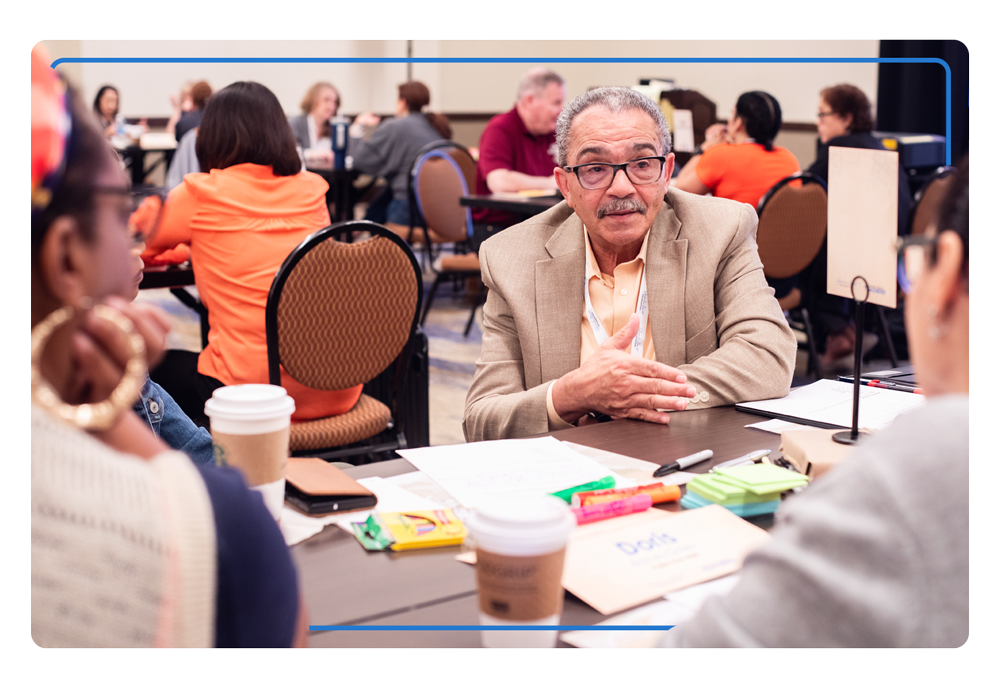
(761, 478)
(716, 489)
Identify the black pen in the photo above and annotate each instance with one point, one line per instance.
(682, 463)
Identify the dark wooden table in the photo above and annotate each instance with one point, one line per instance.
(167, 276)
(525, 206)
(345, 585)
(134, 157)
(340, 193)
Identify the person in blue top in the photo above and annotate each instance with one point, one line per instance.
(158, 409)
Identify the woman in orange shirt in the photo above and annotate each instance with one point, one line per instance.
(739, 160)
(241, 218)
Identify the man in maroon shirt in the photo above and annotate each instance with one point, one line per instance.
(517, 150)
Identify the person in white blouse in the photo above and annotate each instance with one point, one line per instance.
(312, 127)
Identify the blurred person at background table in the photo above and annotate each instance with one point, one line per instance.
(738, 160)
(185, 128)
(131, 544)
(843, 119)
(876, 552)
(180, 106)
(312, 127)
(106, 110)
(517, 150)
(191, 118)
(106, 105)
(241, 218)
(392, 148)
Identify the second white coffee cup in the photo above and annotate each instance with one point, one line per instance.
(250, 431)
(520, 546)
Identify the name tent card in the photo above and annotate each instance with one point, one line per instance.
(861, 223)
(624, 562)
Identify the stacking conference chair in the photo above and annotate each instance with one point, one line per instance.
(790, 234)
(441, 175)
(339, 314)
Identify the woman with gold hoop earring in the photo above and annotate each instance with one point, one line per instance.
(132, 545)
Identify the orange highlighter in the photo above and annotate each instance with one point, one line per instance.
(657, 491)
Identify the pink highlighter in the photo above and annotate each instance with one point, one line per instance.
(604, 510)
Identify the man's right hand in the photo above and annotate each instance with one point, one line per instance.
(615, 383)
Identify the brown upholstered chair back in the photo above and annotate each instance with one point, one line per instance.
(466, 163)
(438, 187)
(344, 312)
(928, 201)
(792, 225)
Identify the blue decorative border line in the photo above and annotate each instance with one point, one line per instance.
(485, 628)
(170, 59)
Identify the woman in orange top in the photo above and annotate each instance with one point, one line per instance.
(739, 160)
(241, 219)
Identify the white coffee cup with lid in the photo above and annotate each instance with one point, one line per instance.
(250, 431)
(520, 546)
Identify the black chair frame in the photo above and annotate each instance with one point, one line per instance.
(416, 218)
(383, 445)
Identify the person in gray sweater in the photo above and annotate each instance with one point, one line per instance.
(876, 553)
(391, 149)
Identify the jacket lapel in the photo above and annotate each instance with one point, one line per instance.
(559, 300)
(666, 274)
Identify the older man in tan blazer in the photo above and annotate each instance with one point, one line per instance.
(630, 299)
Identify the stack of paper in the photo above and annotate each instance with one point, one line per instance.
(744, 490)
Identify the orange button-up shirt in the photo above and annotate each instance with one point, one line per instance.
(614, 298)
(241, 223)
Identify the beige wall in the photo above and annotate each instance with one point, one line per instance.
(485, 88)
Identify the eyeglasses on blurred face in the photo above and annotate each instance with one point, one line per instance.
(139, 208)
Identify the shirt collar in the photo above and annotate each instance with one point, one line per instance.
(593, 271)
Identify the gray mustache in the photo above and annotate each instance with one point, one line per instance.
(624, 204)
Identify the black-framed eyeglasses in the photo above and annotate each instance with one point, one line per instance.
(911, 258)
(597, 175)
(821, 115)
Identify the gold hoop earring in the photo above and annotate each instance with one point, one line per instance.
(93, 416)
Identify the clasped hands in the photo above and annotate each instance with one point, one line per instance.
(614, 382)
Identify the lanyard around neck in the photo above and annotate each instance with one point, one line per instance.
(642, 307)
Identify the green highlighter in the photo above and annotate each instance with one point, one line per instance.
(566, 495)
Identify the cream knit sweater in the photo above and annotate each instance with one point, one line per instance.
(122, 549)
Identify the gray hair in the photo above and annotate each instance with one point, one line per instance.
(537, 80)
(616, 100)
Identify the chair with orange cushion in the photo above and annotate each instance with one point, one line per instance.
(337, 315)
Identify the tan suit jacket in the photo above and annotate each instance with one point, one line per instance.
(711, 312)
